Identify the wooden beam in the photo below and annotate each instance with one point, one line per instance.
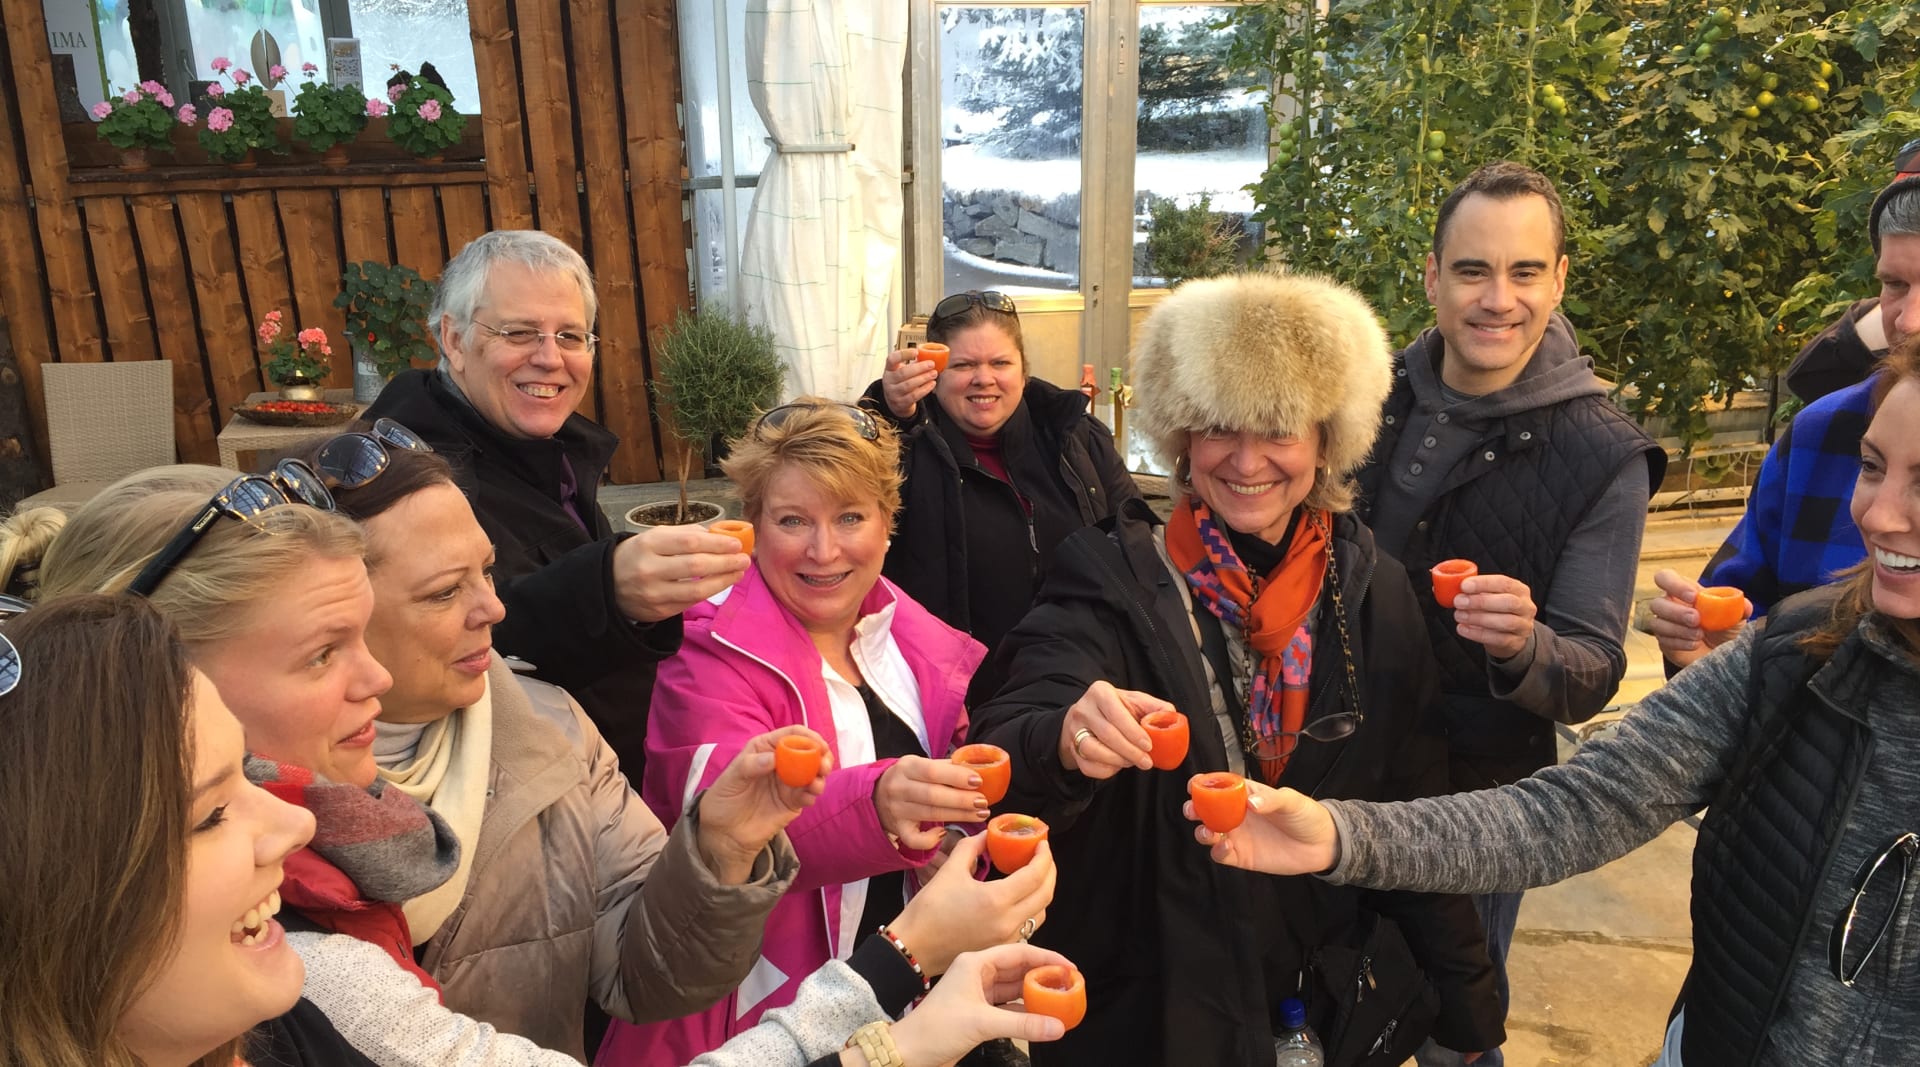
(311, 225)
(123, 289)
(23, 287)
(498, 72)
(195, 420)
(226, 330)
(417, 235)
(363, 225)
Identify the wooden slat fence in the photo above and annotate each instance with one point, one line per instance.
(182, 261)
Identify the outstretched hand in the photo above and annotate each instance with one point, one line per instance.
(1286, 832)
(957, 912)
(748, 804)
(965, 1009)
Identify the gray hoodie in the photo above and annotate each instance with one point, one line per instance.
(1575, 658)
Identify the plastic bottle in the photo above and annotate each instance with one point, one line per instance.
(1298, 1047)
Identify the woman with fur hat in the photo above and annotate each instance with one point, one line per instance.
(1262, 611)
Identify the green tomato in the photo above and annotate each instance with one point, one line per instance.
(1713, 34)
(1723, 16)
(1770, 81)
(1750, 111)
(1826, 69)
(1437, 139)
(1764, 99)
(1809, 103)
(1705, 51)
(1557, 106)
(1820, 86)
(1435, 155)
(1282, 157)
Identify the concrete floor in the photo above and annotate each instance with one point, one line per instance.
(1597, 959)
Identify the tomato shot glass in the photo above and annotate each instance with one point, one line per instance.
(1219, 799)
(1056, 990)
(796, 760)
(738, 529)
(1168, 732)
(1013, 840)
(1721, 607)
(935, 353)
(1447, 576)
(992, 764)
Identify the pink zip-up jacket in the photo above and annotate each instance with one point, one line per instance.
(747, 667)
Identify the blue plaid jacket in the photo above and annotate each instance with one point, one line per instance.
(1797, 531)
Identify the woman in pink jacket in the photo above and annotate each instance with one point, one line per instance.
(813, 635)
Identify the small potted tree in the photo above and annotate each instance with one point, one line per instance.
(716, 372)
(386, 308)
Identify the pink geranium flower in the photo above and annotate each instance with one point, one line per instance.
(152, 88)
(220, 64)
(131, 96)
(241, 77)
(276, 72)
(219, 120)
(165, 98)
(430, 110)
(185, 114)
(269, 327)
(102, 109)
(376, 108)
(216, 90)
(394, 91)
(308, 68)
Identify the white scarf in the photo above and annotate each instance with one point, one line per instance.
(451, 766)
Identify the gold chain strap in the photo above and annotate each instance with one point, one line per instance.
(1247, 739)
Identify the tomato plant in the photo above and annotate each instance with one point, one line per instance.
(1716, 193)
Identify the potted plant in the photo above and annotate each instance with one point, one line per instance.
(326, 117)
(297, 365)
(717, 373)
(139, 121)
(423, 120)
(386, 322)
(240, 119)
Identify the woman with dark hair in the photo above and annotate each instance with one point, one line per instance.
(120, 777)
(1798, 738)
(1262, 610)
(999, 469)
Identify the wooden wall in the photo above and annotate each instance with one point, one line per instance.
(577, 135)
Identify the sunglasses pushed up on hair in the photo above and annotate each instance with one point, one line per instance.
(348, 461)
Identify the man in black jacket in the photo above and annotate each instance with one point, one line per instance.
(1499, 446)
(591, 610)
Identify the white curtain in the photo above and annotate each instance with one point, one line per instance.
(823, 237)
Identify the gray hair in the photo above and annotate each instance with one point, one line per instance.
(1895, 211)
(464, 281)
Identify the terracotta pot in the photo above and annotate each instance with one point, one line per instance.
(134, 159)
(335, 156)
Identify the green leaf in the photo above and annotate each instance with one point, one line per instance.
(1657, 219)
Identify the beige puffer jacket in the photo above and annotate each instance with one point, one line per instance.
(578, 891)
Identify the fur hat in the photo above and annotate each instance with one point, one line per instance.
(1270, 353)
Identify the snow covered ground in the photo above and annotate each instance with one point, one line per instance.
(1182, 176)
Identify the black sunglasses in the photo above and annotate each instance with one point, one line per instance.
(289, 482)
(862, 418)
(1906, 845)
(351, 460)
(958, 303)
(10, 606)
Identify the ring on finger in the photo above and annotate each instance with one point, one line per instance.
(1027, 928)
(1078, 736)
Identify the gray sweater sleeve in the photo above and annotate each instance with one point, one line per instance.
(829, 1006)
(1664, 762)
(1576, 656)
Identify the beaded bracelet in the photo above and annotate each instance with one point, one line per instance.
(901, 947)
(875, 1042)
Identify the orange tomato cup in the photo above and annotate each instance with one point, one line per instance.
(1447, 576)
(796, 760)
(738, 529)
(992, 764)
(1219, 799)
(1721, 607)
(1012, 841)
(1056, 990)
(1168, 732)
(935, 353)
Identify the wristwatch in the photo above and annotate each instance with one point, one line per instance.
(875, 1042)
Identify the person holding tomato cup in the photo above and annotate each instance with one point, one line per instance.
(1261, 619)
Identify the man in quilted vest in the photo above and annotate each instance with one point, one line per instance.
(1499, 446)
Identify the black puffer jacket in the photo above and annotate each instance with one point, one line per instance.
(964, 547)
(555, 578)
(1186, 960)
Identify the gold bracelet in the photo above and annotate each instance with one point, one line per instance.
(875, 1042)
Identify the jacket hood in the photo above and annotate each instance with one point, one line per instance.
(1267, 353)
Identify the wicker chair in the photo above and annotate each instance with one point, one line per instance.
(104, 421)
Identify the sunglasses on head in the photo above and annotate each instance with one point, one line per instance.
(351, 460)
(862, 418)
(957, 305)
(289, 482)
(10, 606)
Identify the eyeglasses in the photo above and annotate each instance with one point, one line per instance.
(958, 303)
(1333, 727)
(289, 482)
(862, 418)
(9, 666)
(351, 460)
(1906, 845)
(526, 339)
